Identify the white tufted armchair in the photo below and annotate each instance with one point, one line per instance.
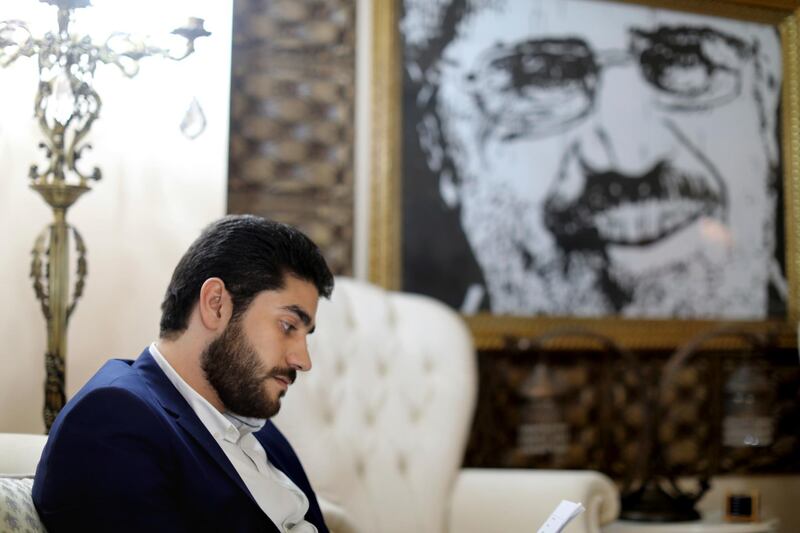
(381, 424)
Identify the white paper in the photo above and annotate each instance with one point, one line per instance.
(562, 516)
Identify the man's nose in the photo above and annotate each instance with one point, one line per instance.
(627, 133)
(299, 357)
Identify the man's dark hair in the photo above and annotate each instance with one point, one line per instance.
(250, 254)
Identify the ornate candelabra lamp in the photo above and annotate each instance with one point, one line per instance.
(65, 107)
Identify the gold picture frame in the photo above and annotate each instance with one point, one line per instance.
(490, 331)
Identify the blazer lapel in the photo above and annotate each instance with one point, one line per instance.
(282, 457)
(172, 401)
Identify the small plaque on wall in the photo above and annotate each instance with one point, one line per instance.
(742, 506)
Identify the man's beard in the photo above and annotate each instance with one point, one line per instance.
(232, 367)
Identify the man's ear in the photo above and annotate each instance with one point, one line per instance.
(214, 305)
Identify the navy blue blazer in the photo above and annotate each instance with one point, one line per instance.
(128, 453)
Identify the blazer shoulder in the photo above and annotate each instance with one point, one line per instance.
(115, 399)
(114, 374)
(110, 408)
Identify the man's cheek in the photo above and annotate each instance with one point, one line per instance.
(713, 133)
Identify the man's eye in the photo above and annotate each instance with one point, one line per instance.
(535, 87)
(690, 68)
(287, 327)
(690, 85)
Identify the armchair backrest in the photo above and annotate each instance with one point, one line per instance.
(381, 421)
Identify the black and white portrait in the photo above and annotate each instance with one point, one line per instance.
(591, 158)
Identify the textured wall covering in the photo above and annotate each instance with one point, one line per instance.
(601, 403)
(292, 99)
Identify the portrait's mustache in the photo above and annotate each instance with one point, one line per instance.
(633, 210)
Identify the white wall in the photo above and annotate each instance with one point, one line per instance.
(159, 189)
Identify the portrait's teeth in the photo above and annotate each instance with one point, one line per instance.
(648, 224)
(603, 224)
(668, 218)
(646, 221)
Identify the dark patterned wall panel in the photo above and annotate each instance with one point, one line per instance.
(600, 400)
(292, 100)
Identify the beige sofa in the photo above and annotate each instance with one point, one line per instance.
(19, 455)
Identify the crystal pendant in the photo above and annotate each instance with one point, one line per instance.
(60, 105)
(194, 120)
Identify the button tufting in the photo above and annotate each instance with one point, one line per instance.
(402, 463)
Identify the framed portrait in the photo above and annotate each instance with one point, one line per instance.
(627, 166)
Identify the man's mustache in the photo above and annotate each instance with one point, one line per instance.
(289, 373)
(635, 210)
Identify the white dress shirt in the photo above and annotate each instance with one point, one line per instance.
(280, 499)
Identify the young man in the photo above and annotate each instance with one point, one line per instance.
(179, 440)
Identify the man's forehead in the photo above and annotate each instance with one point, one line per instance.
(295, 293)
(602, 24)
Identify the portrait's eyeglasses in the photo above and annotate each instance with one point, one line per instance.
(543, 86)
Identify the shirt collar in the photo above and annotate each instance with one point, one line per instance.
(245, 424)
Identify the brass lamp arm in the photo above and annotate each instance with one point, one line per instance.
(11, 49)
(125, 51)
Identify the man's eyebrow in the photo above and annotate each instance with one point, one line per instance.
(666, 34)
(301, 314)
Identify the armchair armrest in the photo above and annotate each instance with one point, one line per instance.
(521, 500)
(336, 518)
